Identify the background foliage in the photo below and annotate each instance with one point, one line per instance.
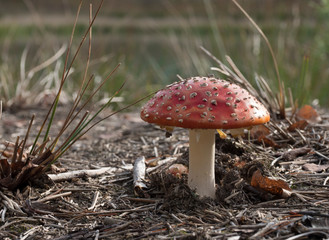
(155, 40)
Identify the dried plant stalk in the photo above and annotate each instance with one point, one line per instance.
(21, 168)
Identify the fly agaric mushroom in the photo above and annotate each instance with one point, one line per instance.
(202, 105)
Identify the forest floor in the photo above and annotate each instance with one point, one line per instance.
(110, 206)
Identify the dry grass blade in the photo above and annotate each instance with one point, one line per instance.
(234, 74)
(240, 78)
(281, 94)
(47, 63)
(17, 146)
(25, 139)
(83, 86)
(267, 94)
(40, 149)
(61, 84)
(81, 133)
(69, 119)
(66, 70)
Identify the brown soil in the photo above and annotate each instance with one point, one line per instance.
(167, 208)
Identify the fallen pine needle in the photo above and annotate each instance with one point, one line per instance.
(94, 201)
(55, 196)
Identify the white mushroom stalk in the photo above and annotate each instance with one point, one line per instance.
(201, 175)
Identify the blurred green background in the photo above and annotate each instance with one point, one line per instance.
(156, 40)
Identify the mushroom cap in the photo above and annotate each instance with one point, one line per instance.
(204, 103)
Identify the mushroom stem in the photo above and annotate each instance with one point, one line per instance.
(201, 175)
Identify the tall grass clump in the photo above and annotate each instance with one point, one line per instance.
(19, 165)
(25, 85)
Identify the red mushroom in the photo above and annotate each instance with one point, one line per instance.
(202, 105)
